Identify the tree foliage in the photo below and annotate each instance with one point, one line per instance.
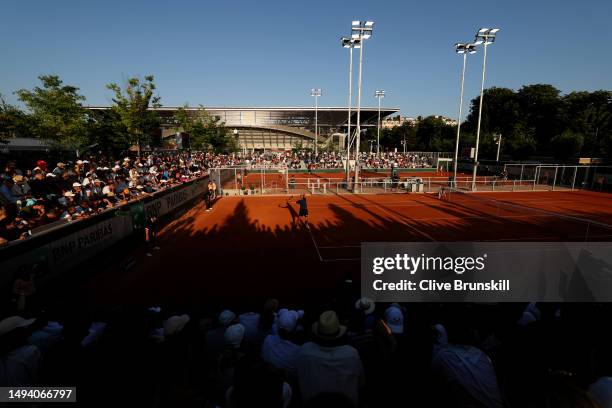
(55, 112)
(205, 131)
(13, 121)
(538, 120)
(131, 105)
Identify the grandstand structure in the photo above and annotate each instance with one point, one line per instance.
(280, 128)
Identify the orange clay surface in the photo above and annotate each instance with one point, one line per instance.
(253, 247)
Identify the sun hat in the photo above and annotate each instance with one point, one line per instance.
(226, 317)
(395, 319)
(75, 184)
(328, 327)
(50, 175)
(175, 324)
(68, 194)
(366, 305)
(234, 334)
(14, 322)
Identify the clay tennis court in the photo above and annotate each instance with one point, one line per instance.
(252, 247)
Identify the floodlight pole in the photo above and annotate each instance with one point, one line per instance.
(379, 95)
(358, 135)
(459, 121)
(350, 102)
(484, 68)
(499, 139)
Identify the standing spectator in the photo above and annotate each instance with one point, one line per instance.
(151, 235)
(215, 337)
(23, 290)
(280, 349)
(327, 364)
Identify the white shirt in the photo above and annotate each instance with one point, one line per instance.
(601, 391)
(20, 366)
(280, 353)
(471, 369)
(334, 369)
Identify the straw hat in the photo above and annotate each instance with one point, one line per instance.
(328, 327)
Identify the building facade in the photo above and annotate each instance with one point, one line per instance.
(283, 128)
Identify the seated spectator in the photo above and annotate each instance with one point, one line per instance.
(279, 349)
(327, 364)
(463, 375)
(257, 325)
(19, 362)
(394, 317)
(215, 337)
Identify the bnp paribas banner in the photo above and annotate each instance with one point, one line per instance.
(68, 251)
(163, 205)
(487, 271)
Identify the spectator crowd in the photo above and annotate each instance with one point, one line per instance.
(45, 193)
(345, 353)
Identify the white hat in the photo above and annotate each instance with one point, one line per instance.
(69, 194)
(366, 305)
(126, 159)
(226, 317)
(117, 167)
(175, 324)
(50, 175)
(234, 335)
(79, 162)
(86, 181)
(14, 322)
(394, 319)
(76, 184)
(85, 161)
(287, 320)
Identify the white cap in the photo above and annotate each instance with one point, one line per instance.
(226, 317)
(366, 305)
(175, 324)
(234, 335)
(76, 184)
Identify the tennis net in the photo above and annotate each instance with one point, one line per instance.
(564, 226)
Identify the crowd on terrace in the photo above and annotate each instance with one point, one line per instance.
(344, 352)
(304, 159)
(45, 193)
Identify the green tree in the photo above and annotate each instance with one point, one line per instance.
(205, 131)
(13, 121)
(566, 144)
(132, 107)
(56, 112)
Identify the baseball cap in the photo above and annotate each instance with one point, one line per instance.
(394, 319)
(234, 334)
(288, 320)
(226, 317)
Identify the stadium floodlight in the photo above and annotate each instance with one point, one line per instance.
(360, 30)
(378, 94)
(316, 92)
(465, 49)
(486, 37)
(349, 43)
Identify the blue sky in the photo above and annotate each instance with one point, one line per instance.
(270, 53)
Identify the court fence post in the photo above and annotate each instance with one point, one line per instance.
(574, 179)
(555, 178)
